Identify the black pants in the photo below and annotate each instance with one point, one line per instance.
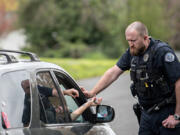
(151, 124)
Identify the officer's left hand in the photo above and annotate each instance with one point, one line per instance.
(170, 122)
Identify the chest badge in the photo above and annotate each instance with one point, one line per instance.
(146, 57)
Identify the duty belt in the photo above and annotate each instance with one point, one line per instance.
(158, 106)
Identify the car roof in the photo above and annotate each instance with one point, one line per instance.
(12, 63)
(29, 65)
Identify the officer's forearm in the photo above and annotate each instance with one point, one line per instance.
(108, 78)
(177, 90)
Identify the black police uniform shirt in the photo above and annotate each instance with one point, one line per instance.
(165, 60)
(44, 92)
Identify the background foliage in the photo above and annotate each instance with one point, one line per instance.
(91, 28)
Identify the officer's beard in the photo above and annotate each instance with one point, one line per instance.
(137, 51)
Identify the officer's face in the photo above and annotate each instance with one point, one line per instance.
(136, 42)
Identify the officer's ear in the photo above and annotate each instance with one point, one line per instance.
(146, 37)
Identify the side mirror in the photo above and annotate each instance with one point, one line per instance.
(104, 113)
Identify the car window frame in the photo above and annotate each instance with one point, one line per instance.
(61, 97)
(88, 113)
(67, 85)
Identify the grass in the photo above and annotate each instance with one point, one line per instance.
(83, 68)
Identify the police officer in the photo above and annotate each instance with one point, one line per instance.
(155, 73)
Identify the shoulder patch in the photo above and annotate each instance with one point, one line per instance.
(169, 57)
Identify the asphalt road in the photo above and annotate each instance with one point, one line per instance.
(119, 97)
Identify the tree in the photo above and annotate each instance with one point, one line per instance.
(151, 13)
(63, 25)
(7, 16)
(61, 28)
(173, 18)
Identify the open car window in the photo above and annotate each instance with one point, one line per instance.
(72, 104)
(51, 107)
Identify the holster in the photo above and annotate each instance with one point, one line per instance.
(137, 111)
(133, 90)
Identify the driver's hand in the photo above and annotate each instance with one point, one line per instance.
(95, 101)
(59, 109)
(72, 92)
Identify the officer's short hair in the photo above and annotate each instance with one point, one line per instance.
(139, 27)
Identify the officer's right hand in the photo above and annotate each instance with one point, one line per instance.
(170, 122)
(88, 94)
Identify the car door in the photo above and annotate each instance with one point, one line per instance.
(60, 122)
(15, 103)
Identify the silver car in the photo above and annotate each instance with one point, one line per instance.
(25, 111)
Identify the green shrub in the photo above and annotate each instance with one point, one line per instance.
(83, 68)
